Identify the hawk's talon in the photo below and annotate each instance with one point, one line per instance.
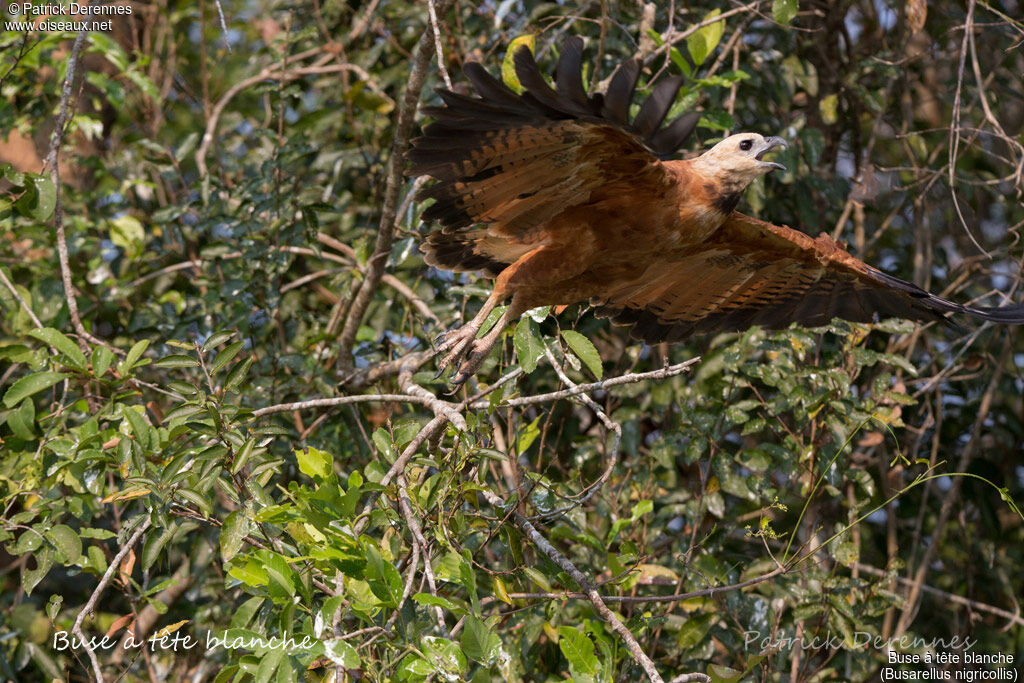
(456, 346)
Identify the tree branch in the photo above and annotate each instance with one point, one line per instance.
(386, 230)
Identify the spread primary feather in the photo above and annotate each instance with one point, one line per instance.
(562, 198)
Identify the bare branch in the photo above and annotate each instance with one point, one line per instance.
(396, 166)
(17, 297)
(53, 161)
(639, 656)
(112, 567)
(630, 378)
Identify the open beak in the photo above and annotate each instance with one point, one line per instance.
(770, 144)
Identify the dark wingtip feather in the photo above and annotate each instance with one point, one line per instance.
(620, 92)
(1012, 314)
(656, 106)
(530, 77)
(569, 72)
(670, 138)
(489, 87)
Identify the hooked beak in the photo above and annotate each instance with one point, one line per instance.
(770, 144)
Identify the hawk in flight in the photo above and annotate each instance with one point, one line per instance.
(562, 198)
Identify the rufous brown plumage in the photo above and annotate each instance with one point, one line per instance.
(562, 198)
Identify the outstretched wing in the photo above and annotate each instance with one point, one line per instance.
(754, 273)
(514, 161)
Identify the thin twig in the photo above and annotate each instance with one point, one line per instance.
(113, 566)
(639, 656)
(17, 297)
(1013, 619)
(630, 378)
(452, 411)
(428, 431)
(954, 128)
(396, 167)
(53, 161)
(952, 496)
(342, 400)
(436, 30)
(417, 535)
(612, 455)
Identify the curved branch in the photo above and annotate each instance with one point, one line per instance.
(639, 656)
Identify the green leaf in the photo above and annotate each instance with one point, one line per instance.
(127, 232)
(579, 650)
(281, 575)
(250, 573)
(508, 66)
(30, 578)
(642, 508)
(53, 606)
(244, 614)
(478, 642)
(154, 546)
(182, 411)
(8, 173)
(237, 374)
(585, 349)
(717, 120)
(22, 421)
(527, 435)
(140, 428)
(315, 463)
(705, 40)
(445, 656)
(216, 340)
(723, 674)
(226, 356)
(102, 357)
(101, 534)
(39, 199)
(59, 341)
(176, 361)
(490, 320)
(382, 440)
(538, 578)
(31, 384)
(134, 353)
(439, 601)
(269, 663)
(342, 654)
(67, 543)
(677, 58)
(528, 344)
(202, 503)
(232, 534)
(783, 11)
(414, 668)
(384, 579)
(242, 455)
(143, 84)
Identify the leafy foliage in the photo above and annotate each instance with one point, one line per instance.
(216, 214)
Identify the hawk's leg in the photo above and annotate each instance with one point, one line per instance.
(535, 268)
(479, 349)
(456, 342)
